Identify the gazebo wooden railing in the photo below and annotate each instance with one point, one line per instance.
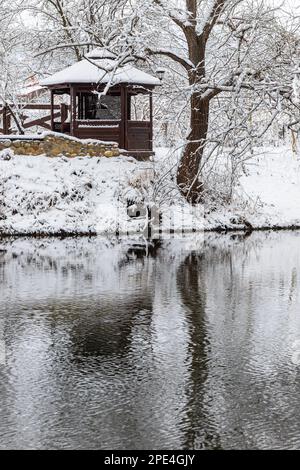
(135, 133)
(87, 129)
(7, 126)
(139, 134)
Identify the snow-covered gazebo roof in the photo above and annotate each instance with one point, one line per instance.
(99, 67)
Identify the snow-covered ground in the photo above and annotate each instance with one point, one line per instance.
(89, 195)
(273, 186)
(268, 194)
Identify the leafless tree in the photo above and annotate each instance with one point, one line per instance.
(230, 67)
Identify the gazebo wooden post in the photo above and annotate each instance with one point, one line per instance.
(52, 109)
(151, 120)
(79, 105)
(124, 117)
(73, 110)
(63, 116)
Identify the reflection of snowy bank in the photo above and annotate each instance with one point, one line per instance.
(40, 195)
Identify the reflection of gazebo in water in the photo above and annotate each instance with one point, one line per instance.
(106, 117)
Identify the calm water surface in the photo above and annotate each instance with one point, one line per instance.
(191, 345)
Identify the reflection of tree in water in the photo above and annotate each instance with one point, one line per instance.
(203, 276)
(192, 286)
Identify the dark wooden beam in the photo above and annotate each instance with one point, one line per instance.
(40, 106)
(63, 116)
(73, 92)
(52, 110)
(151, 120)
(123, 124)
(42, 122)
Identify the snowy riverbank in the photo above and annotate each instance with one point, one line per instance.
(40, 195)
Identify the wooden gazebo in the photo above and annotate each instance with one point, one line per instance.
(101, 94)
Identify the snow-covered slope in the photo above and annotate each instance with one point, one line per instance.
(50, 195)
(268, 194)
(272, 187)
(89, 195)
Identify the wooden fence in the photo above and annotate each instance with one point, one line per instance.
(7, 121)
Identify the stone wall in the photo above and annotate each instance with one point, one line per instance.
(54, 145)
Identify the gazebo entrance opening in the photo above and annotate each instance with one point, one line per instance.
(102, 108)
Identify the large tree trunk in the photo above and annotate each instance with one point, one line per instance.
(188, 180)
(188, 171)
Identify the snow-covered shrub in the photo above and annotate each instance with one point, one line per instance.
(140, 187)
(221, 173)
(6, 154)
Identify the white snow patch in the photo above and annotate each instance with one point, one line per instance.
(101, 71)
(273, 186)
